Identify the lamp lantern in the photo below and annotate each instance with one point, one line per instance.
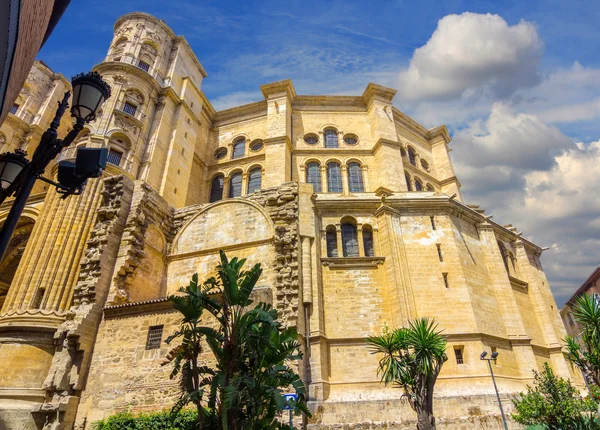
(89, 92)
(11, 164)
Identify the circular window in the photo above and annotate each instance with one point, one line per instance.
(257, 145)
(311, 139)
(220, 153)
(425, 164)
(350, 139)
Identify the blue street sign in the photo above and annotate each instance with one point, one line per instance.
(288, 398)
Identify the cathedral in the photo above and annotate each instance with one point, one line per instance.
(352, 207)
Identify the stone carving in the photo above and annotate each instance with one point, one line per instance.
(134, 96)
(123, 30)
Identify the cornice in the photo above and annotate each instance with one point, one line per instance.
(378, 92)
(156, 305)
(324, 103)
(32, 200)
(240, 113)
(276, 140)
(280, 87)
(146, 16)
(182, 40)
(439, 131)
(128, 68)
(388, 142)
(237, 162)
(423, 174)
(352, 262)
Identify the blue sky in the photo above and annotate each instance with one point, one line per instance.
(517, 83)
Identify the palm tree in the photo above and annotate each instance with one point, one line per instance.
(586, 355)
(252, 352)
(412, 359)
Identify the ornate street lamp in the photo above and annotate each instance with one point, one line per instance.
(489, 361)
(11, 164)
(89, 92)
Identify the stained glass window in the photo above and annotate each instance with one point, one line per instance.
(349, 240)
(331, 238)
(216, 189)
(334, 178)
(355, 179)
(313, 176)
(331, 138)
(368, 242)
(235, 185)
(239, 149)
(254, 180)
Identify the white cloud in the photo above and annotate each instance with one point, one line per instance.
(527, 173)
(472, 55)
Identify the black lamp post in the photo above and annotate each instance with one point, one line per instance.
(489, 361)
(18, 176)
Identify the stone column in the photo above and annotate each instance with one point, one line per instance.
(365, 176)
(306, 270)
(338, 232)
(344, 173)
(226, 187)
(244, 184)
(359, 236)
(324, 181)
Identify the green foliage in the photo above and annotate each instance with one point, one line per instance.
(244, 390)
(552, 402)
(586, 356)
(184, 420)
(412, 360)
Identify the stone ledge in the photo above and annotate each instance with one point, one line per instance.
(162, 304)
(517, 283)
(352, 262)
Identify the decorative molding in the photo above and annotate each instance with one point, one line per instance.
(517, 283)
(352, 262)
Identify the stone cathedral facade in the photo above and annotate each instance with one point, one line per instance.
(352, 207)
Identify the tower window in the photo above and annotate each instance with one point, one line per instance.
(254, 180)
(334, 178)
(129, 108)
(331, 239)
(418, 185)
(235, 185)
(114, 157)
(14, 108)
(355, 179)
(154, 337)
(143, 65)
(439, 250)
(412, 157)
(313, 176)
(432, 219)
(368, 242)
(458, 353)
(349, 240)
(239, 149)
(446, 283)
(408, 182)
(331, 138)
(216, 189)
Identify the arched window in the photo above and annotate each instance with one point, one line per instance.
(349, 240)
(313, 175)
(331, 138)
(412, 156)
(216, 188)
(430, 187)
(367, 232)
(239, 149)
(334, 178)
(148, 54)
(331, 239)
(408, 182)
(254, 180)
(355, 179)
(235, 185)
(418, 185)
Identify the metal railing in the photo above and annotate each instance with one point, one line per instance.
(130, 110)
(24, 115)
(140, 64)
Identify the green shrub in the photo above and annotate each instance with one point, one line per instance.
(184, 420)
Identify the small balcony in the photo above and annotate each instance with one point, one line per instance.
(136, 62)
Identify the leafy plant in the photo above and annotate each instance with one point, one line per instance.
(184, 420)
(412, 359)
(586, 312)
(552, 402)
(252, 351)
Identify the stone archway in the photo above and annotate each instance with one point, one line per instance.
(14, 253)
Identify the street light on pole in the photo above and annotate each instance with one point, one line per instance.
(18, 175)
(489, 361)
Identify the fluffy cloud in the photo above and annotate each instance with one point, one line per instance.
(526, 172)
(472, 55)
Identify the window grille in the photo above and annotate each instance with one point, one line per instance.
(154, 337)
(14, 108)
(412, 157)
(114, 157)
(143, 65)
(334, 178)
(331, 238)
(446, 283)
(355, 179)
(216, 189)
(418, 185)
(368, 243)
(331, 138)
(432, 219)
(349, 240)
(408, 183)
(458, 353)
(254, 180)
(439, 250)
(129, 108)
(239, 149)
(235, 185)
(313, 176)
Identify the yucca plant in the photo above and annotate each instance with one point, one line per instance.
(252, 350)
(412, 360)
(586, 356)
